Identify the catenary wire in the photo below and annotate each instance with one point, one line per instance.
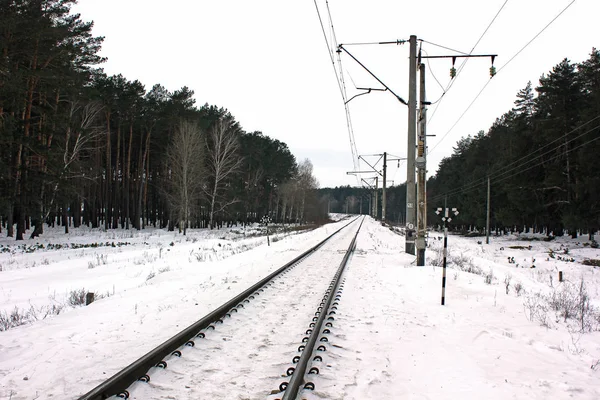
(528, 156)
(482, 183)
(341, 84)
(501, 68)
(464, 62)
(497, 176)
(353, 149)
(500, 173)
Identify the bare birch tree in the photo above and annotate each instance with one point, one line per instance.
(306, 181)
(81, 134)
(223, 160)
(185, 167)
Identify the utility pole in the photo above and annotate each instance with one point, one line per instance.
(421, 172)
(383, 175)
(487, 220)
(411, 200)
(384, 183)
(446, 219)
(376, 202)
(410, 150)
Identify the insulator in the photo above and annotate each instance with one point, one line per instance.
(452, 72)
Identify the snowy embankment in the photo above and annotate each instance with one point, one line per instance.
(46, 275)
(152, 288)
(391, 338)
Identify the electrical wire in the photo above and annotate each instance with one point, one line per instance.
(528, 156)
(464, 62)
(535, 37)
(353, 149)
(501, 68)
(444, 47)
(329, 51)
(497, 175)
(482, 183)
(340, 81)
(435, 78)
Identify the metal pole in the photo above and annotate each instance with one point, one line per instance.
(421, 171)
(444, 262)
(410, 150)
(383, 203)
(376, 197)
(487, 220)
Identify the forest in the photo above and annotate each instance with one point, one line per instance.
(540, 158)
(80, 147)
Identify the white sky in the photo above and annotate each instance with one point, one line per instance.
(266, 62)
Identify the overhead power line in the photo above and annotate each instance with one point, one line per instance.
(463, 64)
(499, 175)
(329, 50)
(535, 37)
(500, 69)
(340, 81)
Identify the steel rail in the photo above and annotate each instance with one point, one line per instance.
(119, 382)
(297, 378)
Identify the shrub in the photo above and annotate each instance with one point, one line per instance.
(536, 309)
(77, 297)
(518, 288)
(507, 279)
(19, 317)
(464, 263)
(570, 302)
(593, 262)
(488, 278)
(15, 318)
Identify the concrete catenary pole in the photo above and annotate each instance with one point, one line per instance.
(421, 173)
(487, 219)
(410, 150)
(383, 201)
(376, 205)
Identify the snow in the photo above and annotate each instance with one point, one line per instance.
(391, 337)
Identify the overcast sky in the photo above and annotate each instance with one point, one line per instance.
(266, 61)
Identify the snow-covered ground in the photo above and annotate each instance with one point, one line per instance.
(391, 339)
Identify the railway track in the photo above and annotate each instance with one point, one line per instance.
(270, 336)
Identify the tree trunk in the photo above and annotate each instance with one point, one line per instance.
(107, 198)
(128, 178)
(141, 169)
(212, 206)
(147, 178)
(10, 230)
(116, 203)
(65, 220)
(77, 212)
